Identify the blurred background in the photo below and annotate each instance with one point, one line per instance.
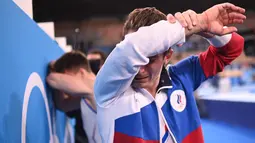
(99, 23)
(226, 102)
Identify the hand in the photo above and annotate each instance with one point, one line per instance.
(187, 19)
(218, 16)
(51, 67)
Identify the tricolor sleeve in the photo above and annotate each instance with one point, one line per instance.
(196, 69)
(222, 52)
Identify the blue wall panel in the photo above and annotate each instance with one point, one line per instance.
(26, 108)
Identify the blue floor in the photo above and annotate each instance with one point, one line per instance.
(219, 132)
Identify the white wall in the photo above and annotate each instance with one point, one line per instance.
(26, 6)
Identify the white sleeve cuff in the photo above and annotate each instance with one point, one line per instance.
(182, 32)
(220, 41)
(156, 39)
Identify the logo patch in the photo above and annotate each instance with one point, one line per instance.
(178, 100)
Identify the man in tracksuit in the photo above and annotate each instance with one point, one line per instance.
(138, 100)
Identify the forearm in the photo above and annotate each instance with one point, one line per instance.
(223, 50)
(228, 47)
(155, 39)
(70, 85)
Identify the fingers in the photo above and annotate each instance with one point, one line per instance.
(236, 18)
(188, 19)
(235, 15)
(229, 6)
(241, 10)
(171, 18)
(233, 7)
(237, 21)
(193, 16)
(229, 30)
(181, 19)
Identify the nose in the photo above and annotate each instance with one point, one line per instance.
(142, 69)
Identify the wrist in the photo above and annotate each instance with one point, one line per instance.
(203, 22)
(206, 34)
(201, 27)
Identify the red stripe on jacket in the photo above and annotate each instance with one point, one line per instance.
(213, 60)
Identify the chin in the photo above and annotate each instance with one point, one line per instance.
(140, 85)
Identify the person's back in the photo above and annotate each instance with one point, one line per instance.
(89, 122)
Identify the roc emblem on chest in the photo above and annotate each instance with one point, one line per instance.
(178, 100)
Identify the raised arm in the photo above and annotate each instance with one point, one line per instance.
(222, 51)
(71, 89)
(124, 61)
(70, 84)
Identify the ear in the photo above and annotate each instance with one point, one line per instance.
(168, 56)
(86, 74)
(82, 71)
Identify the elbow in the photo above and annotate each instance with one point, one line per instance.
(239, 44)
(233, 49)
(50, 80)
(99, 99)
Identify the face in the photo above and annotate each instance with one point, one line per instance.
(148, 75)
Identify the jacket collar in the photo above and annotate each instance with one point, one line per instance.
(165, 81)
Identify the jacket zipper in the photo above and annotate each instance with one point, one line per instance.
(171, 133)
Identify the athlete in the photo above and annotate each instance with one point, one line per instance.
(138, 100)
(73, 80)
